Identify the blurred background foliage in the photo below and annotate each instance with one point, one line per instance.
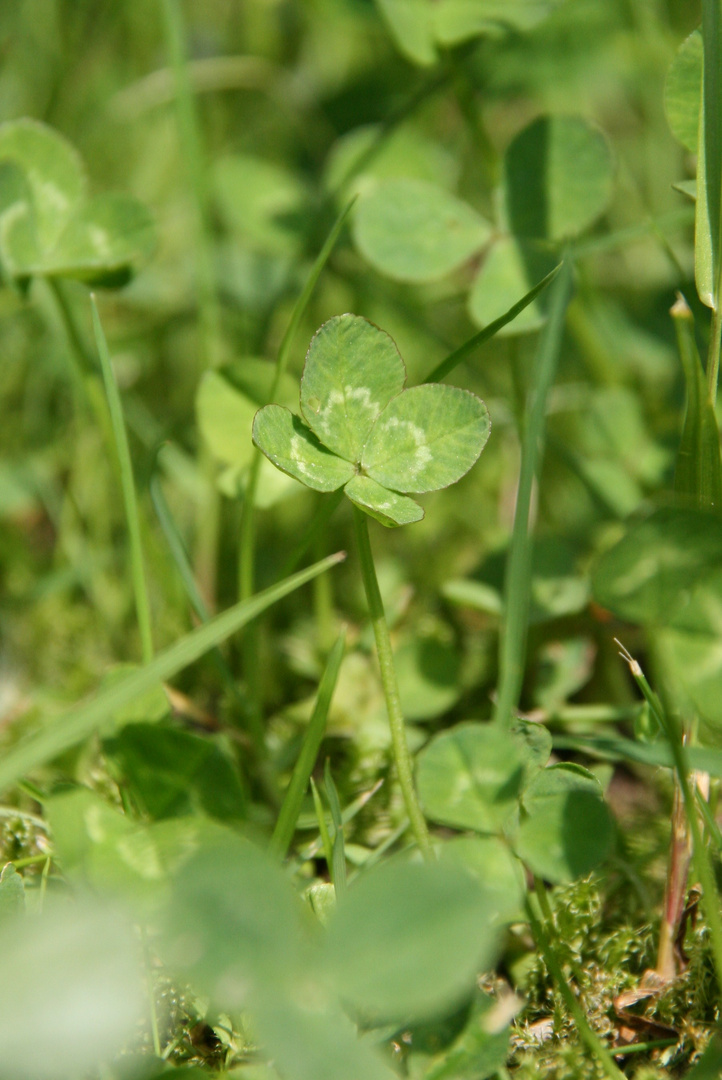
(289, 94)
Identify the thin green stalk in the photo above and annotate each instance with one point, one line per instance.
(195, 161)
(517, 592)
(291, 806)
(402, 756)
(712, 135)
(247, 538)
(700, 852)
(84, 372)
(455, 358)
(180, 558)
(338, 853)
(127, 483)
(586, 1033)
(194, 157)
(322, 830)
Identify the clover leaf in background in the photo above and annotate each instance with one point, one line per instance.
(49, 227)
(360, 429)
(556, 181)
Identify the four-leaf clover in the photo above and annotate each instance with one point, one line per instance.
(360, 429)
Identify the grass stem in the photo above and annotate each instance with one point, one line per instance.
(402, 756)
(517, 592)
(291, 806)
(127, 483)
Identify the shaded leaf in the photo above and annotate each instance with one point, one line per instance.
(352, 372)
(496, 869)
(478, 1053)
(172, 772)
(427, 671)
(649, 575)
(414, 231)
(384, 505)
(426, 438)
(557, 178)
(566, 830)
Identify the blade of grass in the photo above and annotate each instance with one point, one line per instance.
(709, 182)
(517, 586)
(182, 562)
(338, 853)
(453, 359)
(82, 720)
(656, 755)
(697, 475)
(322, 829)
(194, 158)
(291, 806)
(127, 483)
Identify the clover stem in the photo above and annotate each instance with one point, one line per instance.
(400, 749)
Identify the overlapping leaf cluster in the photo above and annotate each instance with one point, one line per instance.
(364, 432)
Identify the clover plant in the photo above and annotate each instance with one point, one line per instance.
(362, 431)
(50, 227)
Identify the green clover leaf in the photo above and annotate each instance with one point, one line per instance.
(48, 225)
(365, 432)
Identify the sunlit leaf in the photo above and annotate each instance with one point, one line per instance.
(426, 438)
(410, 25)
(456, 21)
(415, 231)
(566, 829)
(470, 776)
(47, 226)
(352, 372)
